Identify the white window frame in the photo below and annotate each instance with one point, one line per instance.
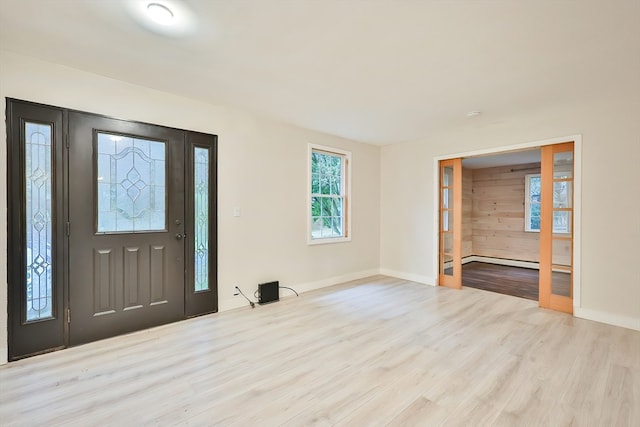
(527, 203)
(345, 194)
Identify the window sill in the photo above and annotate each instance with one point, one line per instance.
(312, 242)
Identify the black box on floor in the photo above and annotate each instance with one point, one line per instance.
(269, 292)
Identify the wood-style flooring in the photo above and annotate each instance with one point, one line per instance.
(374, 352)
(516, 281)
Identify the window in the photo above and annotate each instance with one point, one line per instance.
(329, 191)
(131, 184)
(532, 202)
(561, 197)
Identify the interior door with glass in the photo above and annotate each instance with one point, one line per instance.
(126, 226)
(556, 228)
(450, 230)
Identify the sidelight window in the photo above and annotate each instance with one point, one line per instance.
(201, 218)
(38, 180)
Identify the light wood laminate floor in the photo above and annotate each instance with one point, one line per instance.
(378, 351)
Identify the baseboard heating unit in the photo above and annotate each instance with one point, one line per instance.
(268, 292)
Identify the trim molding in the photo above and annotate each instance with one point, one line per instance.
(608, 318)
(409, 276)
(502, 261)
(336, 280)
(239, 302)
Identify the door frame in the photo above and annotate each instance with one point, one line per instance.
(577, 200)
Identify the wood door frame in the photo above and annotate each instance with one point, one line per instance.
(577, 201)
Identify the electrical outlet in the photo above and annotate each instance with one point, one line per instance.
(236, 291)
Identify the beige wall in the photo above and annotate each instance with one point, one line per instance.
(262, 169)
(498, 214)
(607, 238)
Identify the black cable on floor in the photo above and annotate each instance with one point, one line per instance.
(291, 289)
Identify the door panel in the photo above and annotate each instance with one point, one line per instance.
(201, 290)
(450, 270)
(556, 228)
(35, 228)
(126, 214)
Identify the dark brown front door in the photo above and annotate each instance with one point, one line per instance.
(112, 226)
(126, 214)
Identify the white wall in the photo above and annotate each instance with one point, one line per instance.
(262, 169)
(610, 232)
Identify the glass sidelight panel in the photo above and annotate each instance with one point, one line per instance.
(201, 218)
(39, 241)
(131, 184)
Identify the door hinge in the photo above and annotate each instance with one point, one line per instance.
(68, 315)
(67, 228)
(66, 140)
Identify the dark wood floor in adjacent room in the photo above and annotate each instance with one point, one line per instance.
(516, 281)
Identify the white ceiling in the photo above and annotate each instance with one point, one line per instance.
(378, 71)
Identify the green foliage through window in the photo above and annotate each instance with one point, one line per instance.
(327, 195)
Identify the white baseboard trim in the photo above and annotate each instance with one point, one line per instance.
(336, 280)
(232, 303)
(608, 318)
(238, 301)
(501, 261)
(409, 276)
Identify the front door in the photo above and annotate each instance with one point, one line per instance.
(126, 215)
(112, 226)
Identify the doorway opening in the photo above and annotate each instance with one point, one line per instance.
(507, 221)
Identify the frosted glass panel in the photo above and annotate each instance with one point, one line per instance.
(447, 176)
(562, 197)
(38, 180)
(563, 164)
(562, 222)
(561, 283)
(201, 218)
(131, 184)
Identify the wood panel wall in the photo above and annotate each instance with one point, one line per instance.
(497, 213)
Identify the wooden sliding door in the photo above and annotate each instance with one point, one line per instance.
(556, 228)
(450, 228)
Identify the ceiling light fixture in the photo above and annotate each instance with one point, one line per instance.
(160, 13)
(474, 113)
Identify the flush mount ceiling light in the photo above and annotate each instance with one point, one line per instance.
(160, 14)
(169, 18)
(474, 113)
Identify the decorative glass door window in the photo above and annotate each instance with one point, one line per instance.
(38, 180)
(131, 184)
(201, 218)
